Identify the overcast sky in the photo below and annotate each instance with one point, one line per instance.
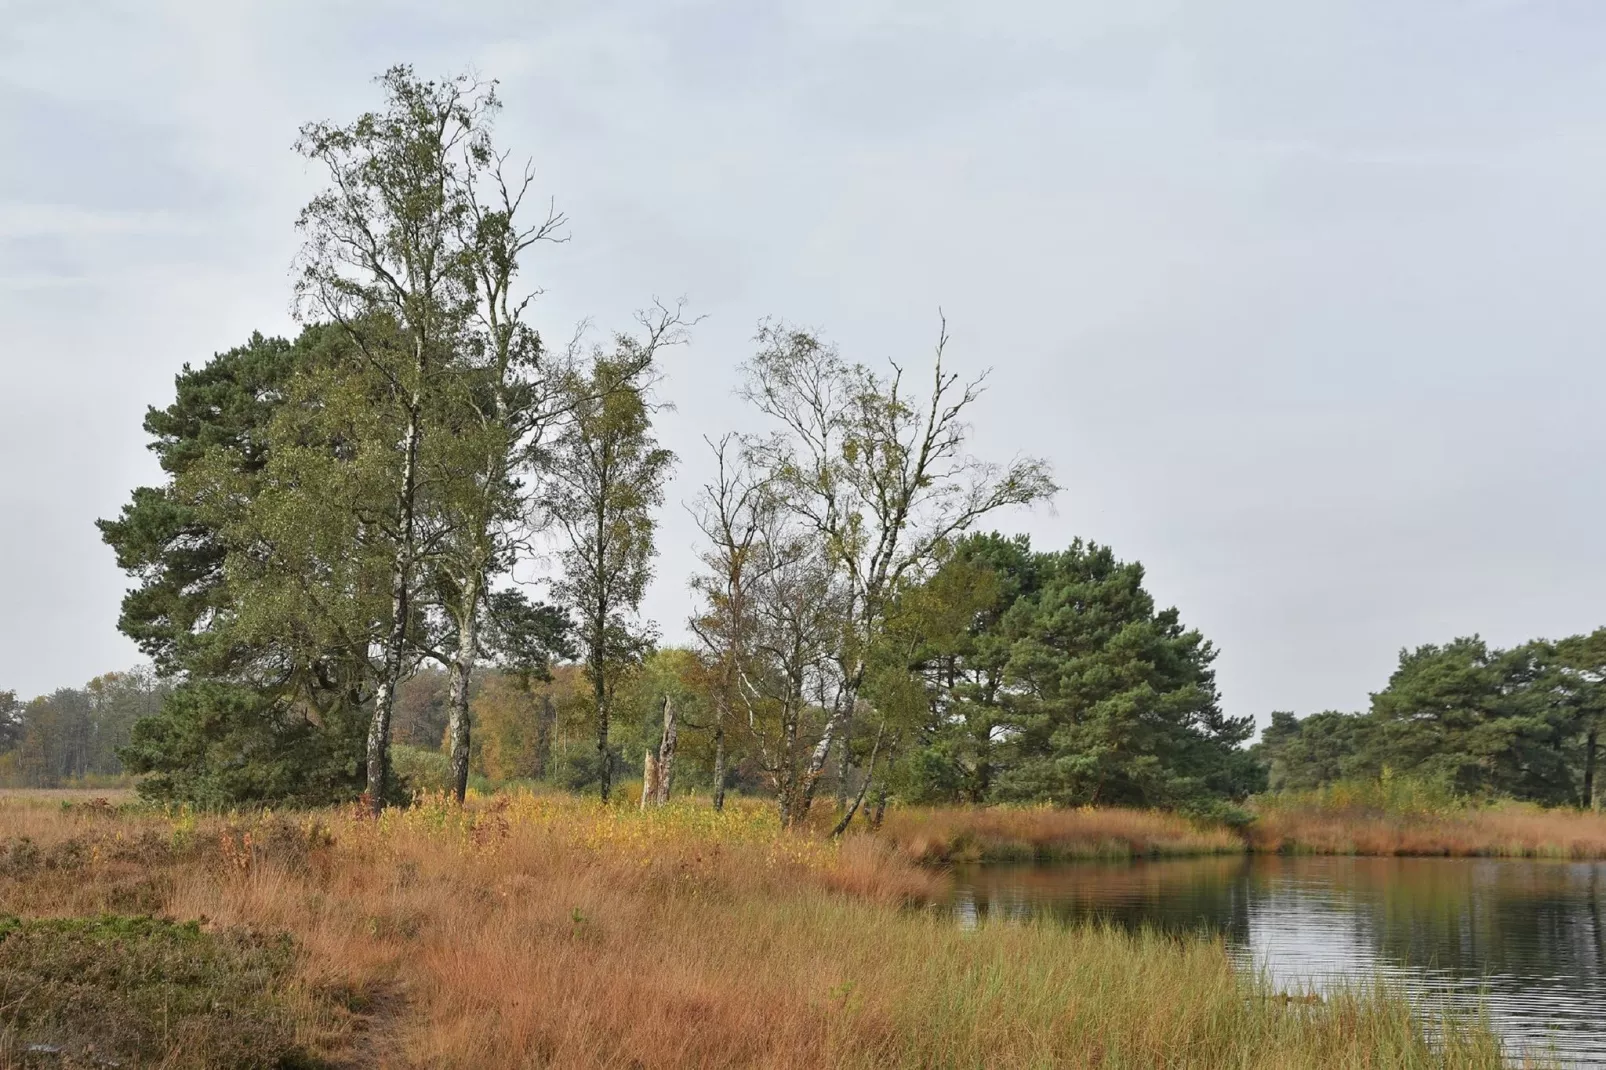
(1302, 300)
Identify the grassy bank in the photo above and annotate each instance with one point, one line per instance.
(1402, 818)
(1045, 834)
(545, 931)
(1398, 818)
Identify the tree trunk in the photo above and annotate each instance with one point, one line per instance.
(395, 642)
(869, 775)
(835, 727)
(1590, 800)
(981, 781)
(880, 810)
(843, 769)
(649, 779)
(604, 764)
(720, 708)
(545, 720)
(462, 668)
(384, 703)
(786, 785)
(666, 752)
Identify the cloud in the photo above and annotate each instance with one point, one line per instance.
(1299, 297)
(66, 221)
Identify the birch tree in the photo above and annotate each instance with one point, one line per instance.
(606, 476)
(384, 258)
(731, 512)
(880, 472)
(416, 251)
(507, 396)
(790, 671)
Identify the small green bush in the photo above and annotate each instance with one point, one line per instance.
(1389, 794)
(419, 770)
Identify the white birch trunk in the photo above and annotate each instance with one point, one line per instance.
(666, 752)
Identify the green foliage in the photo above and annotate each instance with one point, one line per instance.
(931, 774)
(272, 700)
(112, 990)
(1478, 719)
(1052, 677)
(176, 557)
(219, 744)
(1319, 749)
(525, 636)
(1387, 794)
(420, 770)
(12, 722)
(74, 735)
(608, 474)
(1471, 721)
(984, 576)
(581, 769)
(307, 536)
(1094, 695)
(870, 479)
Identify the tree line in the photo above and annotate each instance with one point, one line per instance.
(1522, 723)
(343, 511)
(74, 735)
(324, 578)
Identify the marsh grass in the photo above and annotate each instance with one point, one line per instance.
(1402, 817)
(1391, 816)
(1042, 833)
(541, 930)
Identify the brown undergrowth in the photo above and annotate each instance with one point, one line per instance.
(1369, 819)
(534, 931)
(1042, 833)
(1514, 830)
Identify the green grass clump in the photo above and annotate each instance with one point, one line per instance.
(140, 991)
(1387, 795)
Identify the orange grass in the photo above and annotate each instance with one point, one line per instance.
(1388, 819)
(1509, 830)
(1005, 833)
(542, 931)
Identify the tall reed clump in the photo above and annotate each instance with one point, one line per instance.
(1042, 833)
(1405, 816)
(546, 931)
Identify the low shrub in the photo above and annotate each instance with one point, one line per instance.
(142, 991)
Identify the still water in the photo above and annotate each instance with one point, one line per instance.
(1522, 938)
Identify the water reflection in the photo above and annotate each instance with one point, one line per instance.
(1523, 937)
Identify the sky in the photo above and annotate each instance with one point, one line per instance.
(1302, 301)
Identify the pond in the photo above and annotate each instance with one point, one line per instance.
(1522, 938)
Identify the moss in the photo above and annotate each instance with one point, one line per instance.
(145, 991)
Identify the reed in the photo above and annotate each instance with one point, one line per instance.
(545, 931)
(1401, 816)
(1041, 833)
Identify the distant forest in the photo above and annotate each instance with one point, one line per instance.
(73, 735)
(323, 578)
(1523, 723)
